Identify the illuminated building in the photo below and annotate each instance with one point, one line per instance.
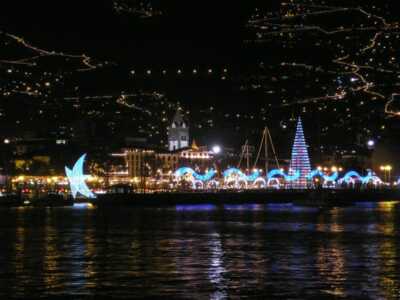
(138, 161)
(195, 154)
(178, 133)
(168, 160)
(143, 162)
(300, 161)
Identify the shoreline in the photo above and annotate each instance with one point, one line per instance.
(337, 197)
(311, 197)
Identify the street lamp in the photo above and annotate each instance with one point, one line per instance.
(371, 144)
(389, 169)
(387, 172)
(383, 169)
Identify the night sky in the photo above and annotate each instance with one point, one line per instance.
(188, 31)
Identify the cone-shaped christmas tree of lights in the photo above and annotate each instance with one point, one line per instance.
(300, 160)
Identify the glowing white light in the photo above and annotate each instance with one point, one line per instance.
(216, 149)
(371, 143)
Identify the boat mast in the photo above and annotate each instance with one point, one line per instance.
(247, 158)
(265, 140)
(244, 147)
(266, 149)
(273, 149)
(262, 142)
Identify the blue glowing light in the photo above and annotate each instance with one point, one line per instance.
(238, 178)
(279, 206)
(182, 171)
(77, 179)
(234, 171)
(253, 176)
(277, 172)
(274, 183)
(332, 178)
(205, 177)
(195, 207)
(366, 204)
(295, 176)
(371, 177)
(243, 207)
(351, 176)
(314, 173)
(82, 205)
(261, 181)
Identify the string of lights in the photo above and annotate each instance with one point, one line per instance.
(86, 60)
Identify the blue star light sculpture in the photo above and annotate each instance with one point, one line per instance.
(77, 179)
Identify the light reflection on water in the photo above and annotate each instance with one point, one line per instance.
(195, 207)
(202, 251)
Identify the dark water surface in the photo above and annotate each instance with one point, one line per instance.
(201, 252)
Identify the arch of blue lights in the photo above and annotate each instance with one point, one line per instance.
(333, 177)
(371, 177)
(202, 177)
(327, 178)
(351, 175)
(278, 172)
(235, 171)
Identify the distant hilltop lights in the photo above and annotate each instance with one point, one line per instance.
(181, 71)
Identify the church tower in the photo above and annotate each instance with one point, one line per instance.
(178, 133)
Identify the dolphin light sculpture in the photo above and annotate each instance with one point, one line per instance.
(77, 179)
